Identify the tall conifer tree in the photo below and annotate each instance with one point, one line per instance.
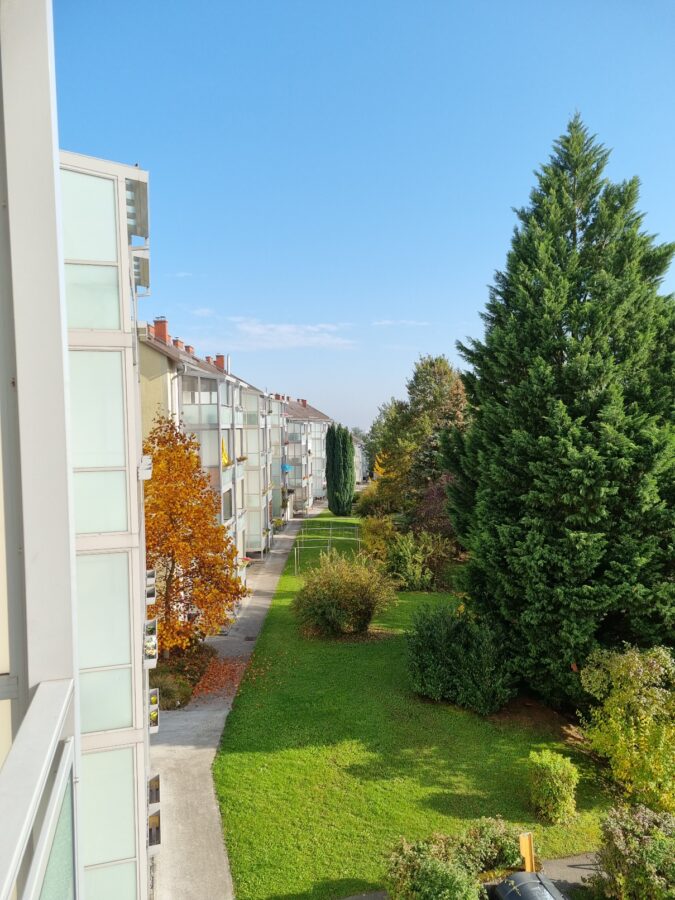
(340, 476)
(562, 486)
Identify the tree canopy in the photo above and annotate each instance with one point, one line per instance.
(197, 583)
(562, 485)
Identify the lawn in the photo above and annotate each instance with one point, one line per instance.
(328, 758)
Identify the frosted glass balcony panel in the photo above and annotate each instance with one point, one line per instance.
(96, 408)
(210, 414)
(92, 297)
(89, 217)
(252, 482)
(252, 440)
(103, 610)
(111, 882)
(190, 414)
(210, 448)
(107, 806)
(100, 500)
(59, 880)
(105, 700)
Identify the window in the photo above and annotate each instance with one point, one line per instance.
(89, 217)
(107, 805)
(227, 505)
(98, 441)
(92, 296)
(104, 641)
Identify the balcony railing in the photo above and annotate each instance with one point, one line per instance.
(32, 784)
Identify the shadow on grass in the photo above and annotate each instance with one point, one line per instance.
(337, 888)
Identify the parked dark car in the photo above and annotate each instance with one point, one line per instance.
(527, 886)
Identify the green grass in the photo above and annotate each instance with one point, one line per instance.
(328, 758)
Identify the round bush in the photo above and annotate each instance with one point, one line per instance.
(455, 656)
(553, 784)
(427, 870)
(636, 860)
(490, 844)
(341, 595)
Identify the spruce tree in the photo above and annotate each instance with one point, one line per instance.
(562, 486)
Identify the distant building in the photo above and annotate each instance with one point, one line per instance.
(232, 421)
(360, 461)
(307, 428)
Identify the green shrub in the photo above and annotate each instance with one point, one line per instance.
(439, 552)
(407, 563)
(490, 844)
(633, 724)
(369, 502)
(174, 690)
(455, 656)
(448, 867)
(377, 532)
(553, 784)
(341, 595)
(428, 870)
(419, 562)
(636, 860)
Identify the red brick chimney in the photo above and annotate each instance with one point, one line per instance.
(190, 349)
(161, 329)
(220, 361)
(209, 360)
(304, 402)
(178, 344)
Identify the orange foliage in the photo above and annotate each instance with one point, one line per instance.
(197, 583)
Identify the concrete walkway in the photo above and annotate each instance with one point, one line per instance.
(192, 863)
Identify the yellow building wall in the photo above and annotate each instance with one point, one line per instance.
(156, 375)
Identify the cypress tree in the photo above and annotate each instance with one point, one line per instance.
(340, 475)
(348, 474)
(562, 486)
(333, 466)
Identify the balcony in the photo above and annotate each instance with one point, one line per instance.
(35, 797)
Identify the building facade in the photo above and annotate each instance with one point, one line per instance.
(307, 428)
(232, 421)
(73, 638)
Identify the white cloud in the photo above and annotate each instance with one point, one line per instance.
(403, 323)
(204, 312)
(252, 334)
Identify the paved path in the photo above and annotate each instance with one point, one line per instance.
(192, 863)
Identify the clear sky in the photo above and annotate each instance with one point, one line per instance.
(332, 183)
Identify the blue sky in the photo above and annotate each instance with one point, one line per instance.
(332, 183)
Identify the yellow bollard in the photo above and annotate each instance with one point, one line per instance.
(527, 850)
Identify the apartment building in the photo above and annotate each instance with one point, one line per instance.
(360, 462)
(306, 429)
(231, 419)
(73, 639)
(282, 504)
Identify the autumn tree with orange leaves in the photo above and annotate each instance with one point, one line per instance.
(194, 558)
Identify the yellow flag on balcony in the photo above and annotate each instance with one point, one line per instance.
(223, 453)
